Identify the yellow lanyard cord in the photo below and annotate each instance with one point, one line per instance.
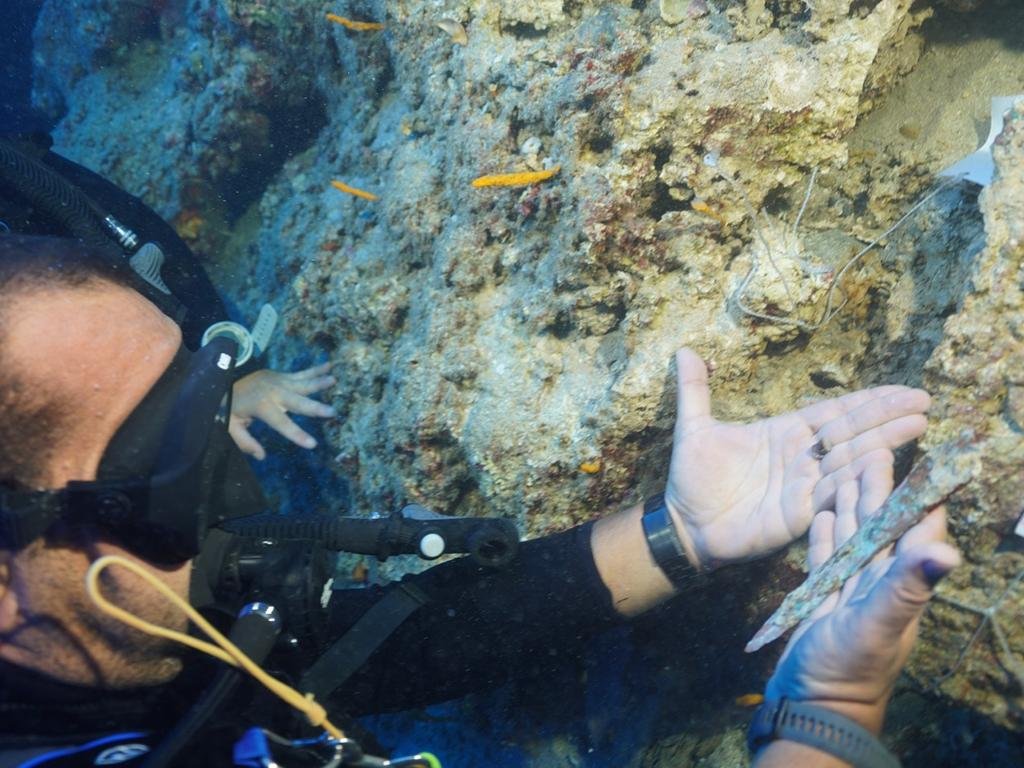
(225, 650)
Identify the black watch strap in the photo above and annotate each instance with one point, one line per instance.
(820, 728)
(663, 541)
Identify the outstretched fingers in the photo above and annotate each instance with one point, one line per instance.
(309, 386)
(881, 400)
(243, 438)
(889, 434)
(847, 523)
(876, 482)
(876, 412)
(306, 406)
(846, 511)
(313, 372)
(821, 539)
(821, 543)
(824, 495)
(277, 419)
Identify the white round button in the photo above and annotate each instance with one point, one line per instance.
(432, 545)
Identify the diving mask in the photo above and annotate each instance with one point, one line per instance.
(169, 474)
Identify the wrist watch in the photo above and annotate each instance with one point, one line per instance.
(663, 541)
(820, 728)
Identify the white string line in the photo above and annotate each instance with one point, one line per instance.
(988, 617)
(828, 312)
(764, 242)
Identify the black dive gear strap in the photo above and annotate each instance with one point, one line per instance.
(169, 474)
(339, 662)
(23, 172)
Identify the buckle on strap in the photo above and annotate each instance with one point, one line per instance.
(25, 515)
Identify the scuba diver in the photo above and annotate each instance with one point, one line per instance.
(36, 200)
(114, 441)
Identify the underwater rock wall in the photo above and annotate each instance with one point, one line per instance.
(977, 373)
(507, 350)
(190, 105)
(499, 345)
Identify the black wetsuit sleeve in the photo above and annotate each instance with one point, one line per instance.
(481, 627)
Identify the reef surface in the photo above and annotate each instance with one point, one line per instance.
(507, 350)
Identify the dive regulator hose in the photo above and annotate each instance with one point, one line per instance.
(56, 196)
(492, 542)
(77, 214)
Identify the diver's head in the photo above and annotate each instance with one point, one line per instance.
(79, 350)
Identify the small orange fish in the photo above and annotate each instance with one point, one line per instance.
(353, 191)
(701, 207)
(590, 467)
(749, 700)
(515, 179)
(357, 26)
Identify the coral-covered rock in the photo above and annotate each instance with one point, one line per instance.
(976, 373)
(507, 350)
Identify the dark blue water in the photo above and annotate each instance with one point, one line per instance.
(16, 21)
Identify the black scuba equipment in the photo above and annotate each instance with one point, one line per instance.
(285, 560)
(75, 213)
(254, 633)
(413, 530)
(259, 748)
(169, 474)
(45, 194)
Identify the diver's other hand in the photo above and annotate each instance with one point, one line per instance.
(847, 656)
(270, 396)
(740, 491)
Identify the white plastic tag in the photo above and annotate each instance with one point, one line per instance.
(264, 328)
(978, 166)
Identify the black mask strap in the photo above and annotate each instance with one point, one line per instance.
(133, 450)
(163, 505)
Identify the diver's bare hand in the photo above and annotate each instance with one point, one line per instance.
(847, 656)
(270, 396)
(740, 491)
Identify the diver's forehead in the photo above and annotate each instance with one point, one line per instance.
(88, 337)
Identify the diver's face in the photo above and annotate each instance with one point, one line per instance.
(98, 349)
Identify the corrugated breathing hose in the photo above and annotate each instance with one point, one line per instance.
(52, 193)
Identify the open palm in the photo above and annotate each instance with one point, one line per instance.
(738, 491)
